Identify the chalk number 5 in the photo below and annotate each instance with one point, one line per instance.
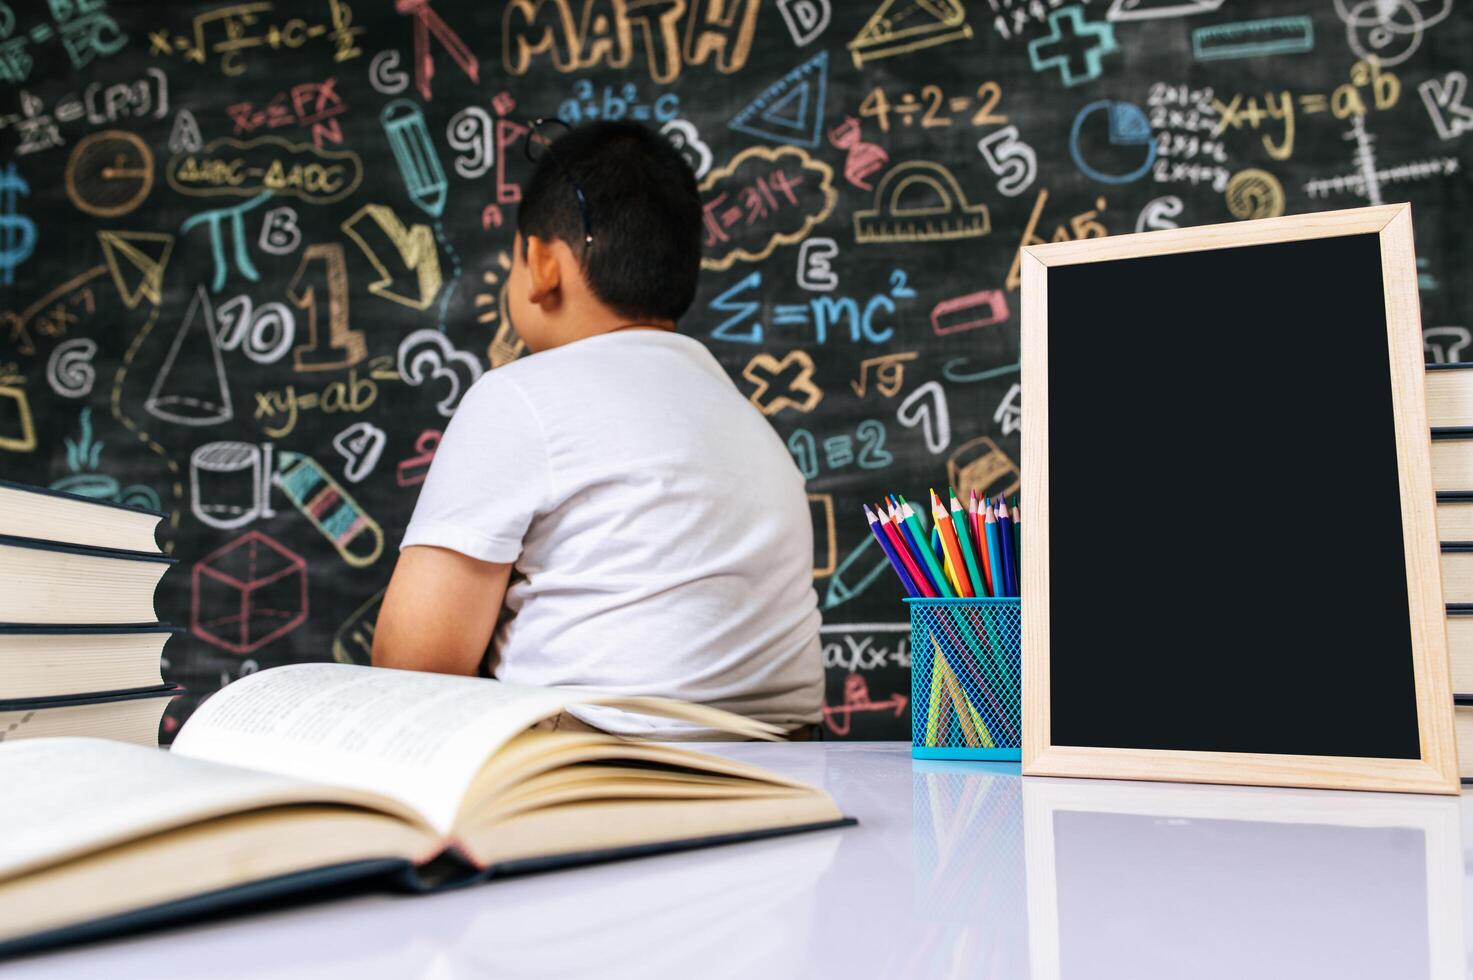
(1014, 162)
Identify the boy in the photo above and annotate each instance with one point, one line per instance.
(644, 527)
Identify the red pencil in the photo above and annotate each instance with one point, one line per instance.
(892, 534)
(979, 535)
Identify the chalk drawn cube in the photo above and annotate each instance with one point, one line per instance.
(248, 593)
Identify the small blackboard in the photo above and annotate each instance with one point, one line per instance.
(1232, 569)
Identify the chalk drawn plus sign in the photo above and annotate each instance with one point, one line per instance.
(1084, 42)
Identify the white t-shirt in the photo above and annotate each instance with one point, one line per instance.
(659, 529)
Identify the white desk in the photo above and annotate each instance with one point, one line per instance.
(955, 871)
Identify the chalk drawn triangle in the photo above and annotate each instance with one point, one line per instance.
(190, 388)
(790, 110)
(901, 26)
(136, 260)
(1156, 9)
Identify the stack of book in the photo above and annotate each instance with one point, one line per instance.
(1450, 413)
(80, 644)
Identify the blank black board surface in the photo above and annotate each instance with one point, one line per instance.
(1230, 507)
(1249, 588)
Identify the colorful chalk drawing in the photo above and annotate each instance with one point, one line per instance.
(415, 279)
(190, 388)
(1158, 9)
(920, 201)
(136, 261)
(69, 369)
(188, 235)
(109, 173)
(355, 535)
(84, 471)
(1057, 50)
(1253, 38)
(785, 383)
(213, 220)
(1443, 98)
(805, 19)
(426, 357)
(230, 483)
(248, 593)
(1127, 127)
(790, 110)
(902, 26)
(782, 193)
(229, 167)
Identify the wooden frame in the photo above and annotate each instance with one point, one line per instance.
(1436, 771)
(1439, 820)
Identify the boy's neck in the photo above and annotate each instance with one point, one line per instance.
(609, 324)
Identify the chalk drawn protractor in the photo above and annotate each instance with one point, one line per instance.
(920, 201)
(790, 110)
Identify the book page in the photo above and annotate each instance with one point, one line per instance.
(420, 738)
(417, 737)
(70, 796)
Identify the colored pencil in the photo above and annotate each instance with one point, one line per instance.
(912, 548)
(1018, 542)
(994, 551)
(889, 549)
(979, 536)
(919, 533)
(902, 550)
(964, 540)
(1005, 539)
(942, 556)
(951, 546)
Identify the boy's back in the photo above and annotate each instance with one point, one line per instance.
(658, 527)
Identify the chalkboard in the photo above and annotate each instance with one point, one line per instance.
(1256, 580)
(251, 253)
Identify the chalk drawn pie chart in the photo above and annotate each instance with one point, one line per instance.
(109, 173)
(1111, 142)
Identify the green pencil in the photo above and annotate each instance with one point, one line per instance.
(969, 553)
(922, 539)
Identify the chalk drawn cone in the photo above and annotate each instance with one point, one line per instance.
(190, 388)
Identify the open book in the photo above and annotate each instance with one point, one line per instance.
(311, 773)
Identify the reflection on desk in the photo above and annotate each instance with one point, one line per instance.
(956, 870)
(1130, 879)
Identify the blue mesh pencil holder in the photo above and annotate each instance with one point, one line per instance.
(966, 667)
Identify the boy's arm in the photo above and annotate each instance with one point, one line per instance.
(439, 611)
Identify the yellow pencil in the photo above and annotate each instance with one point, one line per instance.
(933, 708)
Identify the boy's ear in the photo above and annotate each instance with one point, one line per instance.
(542, 265)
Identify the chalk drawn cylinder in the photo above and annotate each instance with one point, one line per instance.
(227, 484)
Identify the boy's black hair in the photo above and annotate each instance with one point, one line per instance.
(643, 207)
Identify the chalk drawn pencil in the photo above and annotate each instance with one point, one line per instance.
(336, 515)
